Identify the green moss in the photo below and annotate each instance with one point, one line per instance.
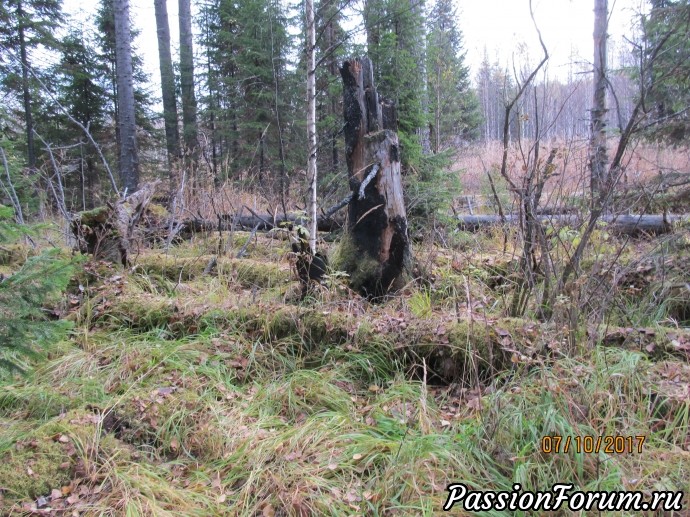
(325, 329)
(14, 254)
(32, 401)
(141, 311)
(94, 217)
(157, 211)
(247, 272)
(252, 273)
(281, 324)
(359, 266)
(172, 267)
(33, 468)
(310, 326)
(46, 458)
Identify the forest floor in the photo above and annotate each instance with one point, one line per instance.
(184, 393)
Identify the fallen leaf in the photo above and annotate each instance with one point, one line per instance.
(474, 403)
(268, 511)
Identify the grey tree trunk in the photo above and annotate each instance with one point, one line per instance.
(129, 160)
(598, 158)
(376, 250)
(28, 116)
(190, 130)
(311, 122)
(172, 133)
(626, 224)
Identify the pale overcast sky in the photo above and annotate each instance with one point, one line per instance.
(500, 27)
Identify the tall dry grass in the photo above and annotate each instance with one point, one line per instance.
(642, 162)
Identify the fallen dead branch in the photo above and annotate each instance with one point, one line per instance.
(628, 224)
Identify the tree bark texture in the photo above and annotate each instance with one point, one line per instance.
(129, 160)
(172, 133)
(190, 131)
(26, 92)
(598, 158)
(311, 121)
(375, 252)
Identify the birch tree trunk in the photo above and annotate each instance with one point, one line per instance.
(172, 133)
(376, 250)
(129, 160)
(598, 159)
(311, 122)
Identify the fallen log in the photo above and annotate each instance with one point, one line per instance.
(628, 224)
(262, 222)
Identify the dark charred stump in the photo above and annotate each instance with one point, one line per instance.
(375, 251)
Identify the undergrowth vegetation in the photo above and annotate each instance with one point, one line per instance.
(183, 392)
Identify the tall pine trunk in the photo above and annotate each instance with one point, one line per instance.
(598, 158)
(129, 161)
(190, 130)
(172, 134)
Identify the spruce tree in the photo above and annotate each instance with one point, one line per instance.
(26, 25)
(79, 85)
(665, 53)
(453, 109)
(248, 88)
(25, 328)
(330, 50)
(396, 45)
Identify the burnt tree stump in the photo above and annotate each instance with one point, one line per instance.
(375, 251)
